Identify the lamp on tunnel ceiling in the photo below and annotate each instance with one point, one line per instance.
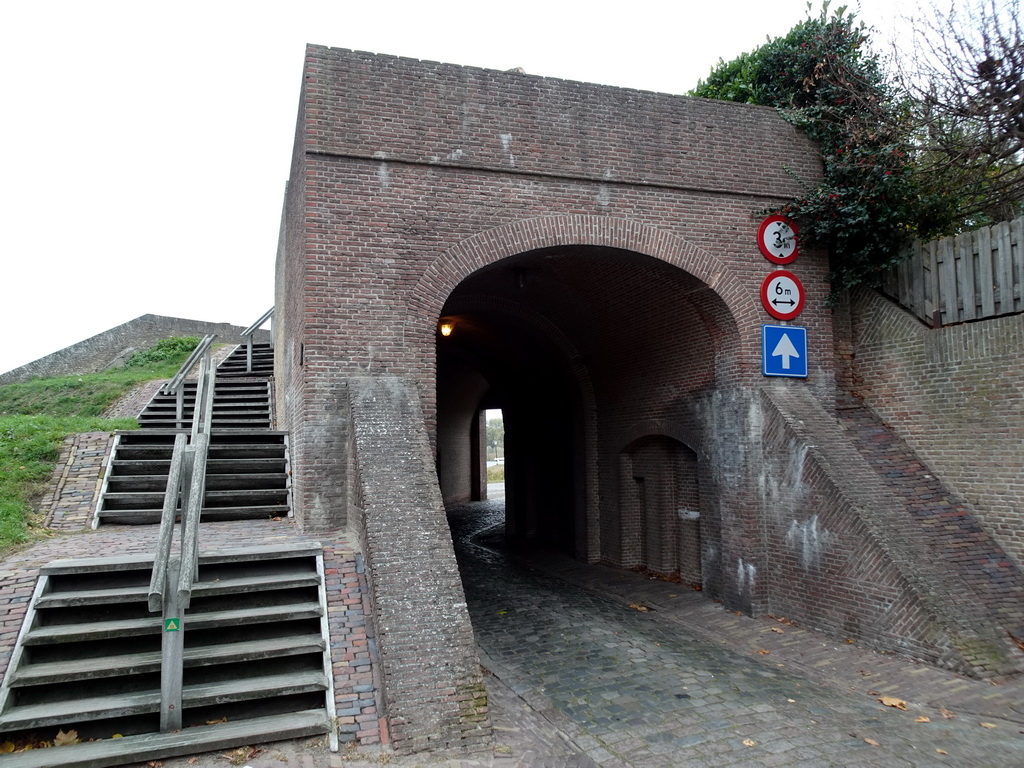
(446, 327)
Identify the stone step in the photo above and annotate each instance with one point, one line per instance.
(209, 514)
(59, 713)
(117, 665)
(155, 746)
(140, 592)
(153, 625)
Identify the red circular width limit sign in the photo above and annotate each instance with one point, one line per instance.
(782, 295)
(777, 239)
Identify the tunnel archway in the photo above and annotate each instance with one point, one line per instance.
(578, 344)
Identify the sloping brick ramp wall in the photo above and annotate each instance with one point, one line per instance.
(433, 686)
(837, 532)
(952, 534)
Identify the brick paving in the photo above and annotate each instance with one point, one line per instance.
(75, 482)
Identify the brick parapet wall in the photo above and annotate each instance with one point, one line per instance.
(110, 347)
(956, 395)
(441, 115)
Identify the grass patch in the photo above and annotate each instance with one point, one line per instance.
(29, 448)
(36, 416)
(496, 473)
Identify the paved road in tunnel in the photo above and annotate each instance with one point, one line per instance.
(631, 688)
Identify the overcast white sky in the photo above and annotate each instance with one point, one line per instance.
(144, 146)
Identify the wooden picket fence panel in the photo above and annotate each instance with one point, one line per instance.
(965, 277)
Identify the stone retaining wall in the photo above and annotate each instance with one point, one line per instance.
(113, 346)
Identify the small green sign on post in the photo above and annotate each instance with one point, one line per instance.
(172, 625)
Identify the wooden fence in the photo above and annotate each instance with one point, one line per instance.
(970, 276)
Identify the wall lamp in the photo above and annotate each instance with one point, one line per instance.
(446, 327)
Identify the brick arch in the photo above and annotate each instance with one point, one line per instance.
(736, 308)
(675, 430)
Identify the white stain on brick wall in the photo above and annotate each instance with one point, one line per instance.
(384, 175)
(809, 541)
(782, 481)
(506, 145)
(746, 573)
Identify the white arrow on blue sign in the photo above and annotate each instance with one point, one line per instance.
(784, 351)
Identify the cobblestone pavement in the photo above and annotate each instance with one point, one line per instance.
(635, 688)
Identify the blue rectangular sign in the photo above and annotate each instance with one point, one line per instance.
(784, 351)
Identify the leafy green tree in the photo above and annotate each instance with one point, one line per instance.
(824, 78)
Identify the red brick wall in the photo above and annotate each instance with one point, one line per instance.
(634, 216)
(956, 395)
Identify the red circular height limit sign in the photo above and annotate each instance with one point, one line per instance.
(782, 295)
(777, 239)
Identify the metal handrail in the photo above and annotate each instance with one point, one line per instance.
(248, 334)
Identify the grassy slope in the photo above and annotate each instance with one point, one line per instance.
(36, 416)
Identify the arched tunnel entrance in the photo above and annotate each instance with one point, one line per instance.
(601, 361)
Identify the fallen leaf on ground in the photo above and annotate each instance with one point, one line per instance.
(892, 701)
(988, 725)
(763, 652)
(923, 719)
(941, 751)
(63, 739)
(778, 630)
(946, 713)
(749, 743)
(639, 607)
(872, 742)
(216, 722)
(874, 693)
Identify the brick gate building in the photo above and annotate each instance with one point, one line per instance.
(593, 250)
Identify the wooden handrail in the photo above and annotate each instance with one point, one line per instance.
(248, 334)
(170, 589)
(256, 326)
(159, 581)
(174, 384)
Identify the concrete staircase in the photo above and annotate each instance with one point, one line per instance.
(256, 666)
(247, 474)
